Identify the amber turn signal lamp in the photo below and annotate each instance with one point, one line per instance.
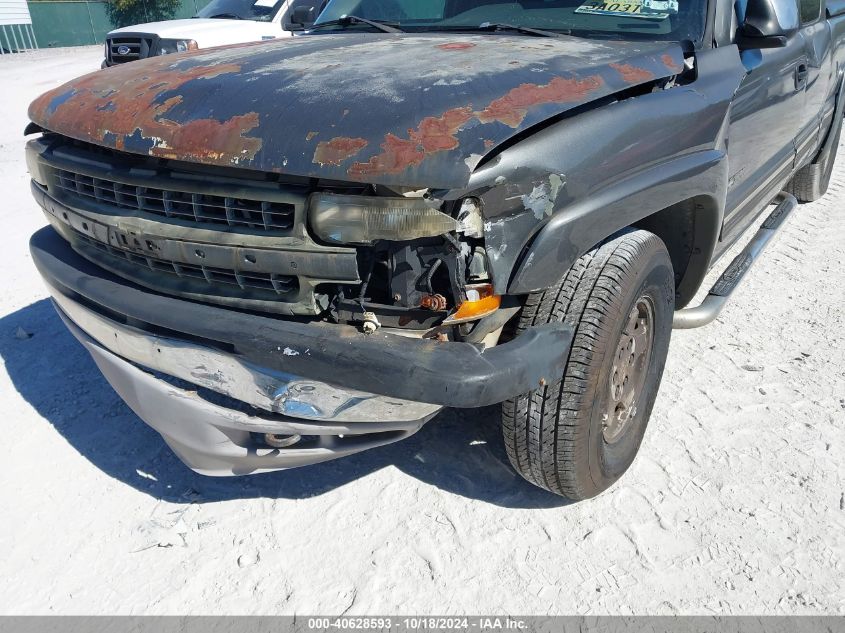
(480, 302)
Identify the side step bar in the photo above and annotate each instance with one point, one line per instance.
(721, 291)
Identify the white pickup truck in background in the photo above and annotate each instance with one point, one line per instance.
(219, 23)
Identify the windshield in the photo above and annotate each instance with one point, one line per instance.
(639, 19)
(261, 10)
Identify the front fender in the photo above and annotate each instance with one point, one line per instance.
(573, 231)
(555, 194)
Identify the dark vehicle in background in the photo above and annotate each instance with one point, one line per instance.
(286, 252)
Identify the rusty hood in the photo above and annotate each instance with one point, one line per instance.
(410, 110)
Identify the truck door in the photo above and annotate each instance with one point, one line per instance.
(766, 115)
(818, 80)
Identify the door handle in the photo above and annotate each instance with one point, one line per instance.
(801, 72)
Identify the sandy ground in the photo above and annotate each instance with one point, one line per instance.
(734, 506)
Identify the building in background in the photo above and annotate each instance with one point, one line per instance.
(16, 33)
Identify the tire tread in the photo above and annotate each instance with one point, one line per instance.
(543, 428)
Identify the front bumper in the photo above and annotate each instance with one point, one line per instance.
(250, 374)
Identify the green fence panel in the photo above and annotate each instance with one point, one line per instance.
(77, 23)
(189, 8)
(69, 23)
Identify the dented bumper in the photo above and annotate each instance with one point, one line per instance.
(209, 378)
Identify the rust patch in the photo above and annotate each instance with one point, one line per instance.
(488, 143)
(206, 139)
(337, 150)
(632, 74)
(93, 110)
(434, 134)
(455, 46)
(512, 108)
(310, 135)
(437, 134)
(397, 154)
(669, 62)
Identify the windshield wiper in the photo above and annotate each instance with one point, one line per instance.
(228, 16)
(346, 20)
(499, 26)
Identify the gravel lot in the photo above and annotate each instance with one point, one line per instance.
(734, 506)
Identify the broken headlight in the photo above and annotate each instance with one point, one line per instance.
(366, 219)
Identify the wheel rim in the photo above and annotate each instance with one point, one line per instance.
(629, 371)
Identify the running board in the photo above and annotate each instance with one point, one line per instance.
(721, 291)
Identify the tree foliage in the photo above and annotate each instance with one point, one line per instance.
(128, 12)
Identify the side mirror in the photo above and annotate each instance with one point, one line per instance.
(302, 17)
(767, 24)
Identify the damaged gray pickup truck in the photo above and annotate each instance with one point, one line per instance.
(291, 251)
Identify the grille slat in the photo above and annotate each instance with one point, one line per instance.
(270, 216)
(245, 280)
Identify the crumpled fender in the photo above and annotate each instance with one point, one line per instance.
(551, 197)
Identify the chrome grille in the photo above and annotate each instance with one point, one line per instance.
(125, 49)
(280, 284)
(201, 208)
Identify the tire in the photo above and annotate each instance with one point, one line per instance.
(811, 181)
(557, 437)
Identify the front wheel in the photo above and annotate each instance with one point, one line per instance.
(577, 435)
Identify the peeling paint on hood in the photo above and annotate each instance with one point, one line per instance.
(412, 110)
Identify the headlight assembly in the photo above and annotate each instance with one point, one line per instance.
(166, 47)
(365, 219)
